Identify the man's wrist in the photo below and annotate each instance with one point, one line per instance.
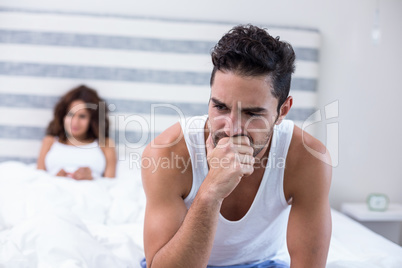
(209, 198)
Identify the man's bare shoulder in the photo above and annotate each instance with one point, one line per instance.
(166, 161)
(169, 141)
(305, 149)
(308, 162)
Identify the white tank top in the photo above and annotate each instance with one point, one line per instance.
(70, 158)
(261, 233)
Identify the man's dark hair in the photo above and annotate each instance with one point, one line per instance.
(248, 50)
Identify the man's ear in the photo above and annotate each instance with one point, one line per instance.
(284, 110)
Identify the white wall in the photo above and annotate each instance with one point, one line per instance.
(364, 78)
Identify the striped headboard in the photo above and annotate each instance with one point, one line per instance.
(140, 66)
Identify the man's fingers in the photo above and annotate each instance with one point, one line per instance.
(240, 140)
(247, 169)
(246, 163)
(238, 144)
(248, 150)
(245, 159)
(237, 140)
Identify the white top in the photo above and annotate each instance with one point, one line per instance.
(361, 212)
(261, 233)
(70, 158)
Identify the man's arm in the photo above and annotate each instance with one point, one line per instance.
(173, 236)
(309, 226)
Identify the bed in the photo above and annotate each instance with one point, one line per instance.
(151, 72)
(48, 221)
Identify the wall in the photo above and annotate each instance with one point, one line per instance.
(361, 76)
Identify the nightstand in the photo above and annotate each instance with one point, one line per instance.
(386, 223)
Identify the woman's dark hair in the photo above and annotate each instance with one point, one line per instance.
(248, 50)
(97, 130)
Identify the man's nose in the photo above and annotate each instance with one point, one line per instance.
(234, 125)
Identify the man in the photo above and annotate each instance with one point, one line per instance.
(251, 185)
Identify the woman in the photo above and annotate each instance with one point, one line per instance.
(77, 143)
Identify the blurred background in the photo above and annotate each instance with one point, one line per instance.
(360, 70)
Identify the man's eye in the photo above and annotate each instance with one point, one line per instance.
(251, 114)
(220, 107)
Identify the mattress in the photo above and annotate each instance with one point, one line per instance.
(48, 221)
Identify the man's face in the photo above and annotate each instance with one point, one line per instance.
(242, 106)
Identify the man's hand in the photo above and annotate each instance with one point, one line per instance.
(229, 161)
(83, 173)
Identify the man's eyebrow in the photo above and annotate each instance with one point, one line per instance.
(247, 109)
(218, 102)
(254, 110)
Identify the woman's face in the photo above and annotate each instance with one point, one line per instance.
(76, 121)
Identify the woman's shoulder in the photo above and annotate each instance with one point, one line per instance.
(49, 140)
(47, 143)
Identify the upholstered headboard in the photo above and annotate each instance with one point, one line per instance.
(140, 66)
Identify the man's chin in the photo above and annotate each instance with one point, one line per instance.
(259, 149)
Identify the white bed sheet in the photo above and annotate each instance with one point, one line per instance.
(48, 221)
(353, 245)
